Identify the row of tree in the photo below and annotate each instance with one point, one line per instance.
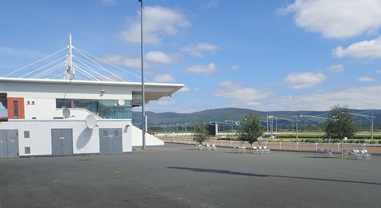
(339, 125)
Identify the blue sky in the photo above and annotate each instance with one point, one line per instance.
(261, 55)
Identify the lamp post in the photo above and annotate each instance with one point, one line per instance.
(292, 121)
(144, 119)
(271, 120)
(232, 124)
(318, 117)
(370, 118)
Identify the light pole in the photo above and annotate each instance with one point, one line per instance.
(232, 124)
(144, 119)
(270, 119)
(318, 117)
(292, 121)
(370, 118)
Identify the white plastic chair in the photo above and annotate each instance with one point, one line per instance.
(243, 150)
(255, 150)
(266, 150)
(235, 149)
(318, 153)
(368, 154)
(329, 153)
(261, 150)
(344, 153)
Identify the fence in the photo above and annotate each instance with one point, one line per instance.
(286, 146)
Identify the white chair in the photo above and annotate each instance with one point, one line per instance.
(266, 150)
(318, 153)
(214, 147)
(208, 147)
(329, 153)
(255, 149)
(368, 154)
(356, 154)
(365, 155)
(344, 153)
(324, 153)
(242, 150)
(235, 149)
(261, 150)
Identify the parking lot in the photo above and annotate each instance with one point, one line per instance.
(176, 175)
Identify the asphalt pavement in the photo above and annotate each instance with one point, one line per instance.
(180, 176)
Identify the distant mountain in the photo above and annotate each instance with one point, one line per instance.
(237, 114)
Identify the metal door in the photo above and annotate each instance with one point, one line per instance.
(9, 145)
(110, 141)
(62, 142)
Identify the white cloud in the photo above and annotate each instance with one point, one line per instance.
(188, 89)
(165, 101)
(210, 4)
(120, 60)
(365, 49)
(158, 22)
(160, 57)
(335, 68)
(337, 19)
(164, 78)
(200, 69)
(355, 97)
(304, 80)
(197, 50)
(365, 79)
(6, 51)
(234, 67)
(185, 89)
(238, 94)
(108, 2)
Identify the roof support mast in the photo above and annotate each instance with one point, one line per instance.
(69, 74)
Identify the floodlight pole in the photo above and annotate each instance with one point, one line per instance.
(144, 119)
(370, 118)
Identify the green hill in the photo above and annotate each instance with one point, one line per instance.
(237, 114)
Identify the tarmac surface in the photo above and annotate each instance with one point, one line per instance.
(180, 176)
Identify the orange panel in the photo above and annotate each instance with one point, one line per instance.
(20, 104)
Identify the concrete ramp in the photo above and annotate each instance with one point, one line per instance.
(150, 140)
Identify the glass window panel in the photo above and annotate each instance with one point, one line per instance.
(16, 109)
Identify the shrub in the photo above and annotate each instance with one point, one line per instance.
(373, 142)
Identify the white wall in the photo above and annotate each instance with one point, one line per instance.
(150, 140)
(85, 140)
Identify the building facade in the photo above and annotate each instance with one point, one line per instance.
(49, 117)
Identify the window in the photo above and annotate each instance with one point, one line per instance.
(108, 109)
(16, 109)
(116, 133)
(105, 134)
(27, 150)
(26, 134)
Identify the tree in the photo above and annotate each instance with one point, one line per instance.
(340, 124)
(200, 133)
(251, 128)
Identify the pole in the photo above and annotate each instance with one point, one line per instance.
(372, 127)
(142, 71)
(296, 120)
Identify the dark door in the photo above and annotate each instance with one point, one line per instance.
(9, 145)
(110, 141)
(62, 142)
